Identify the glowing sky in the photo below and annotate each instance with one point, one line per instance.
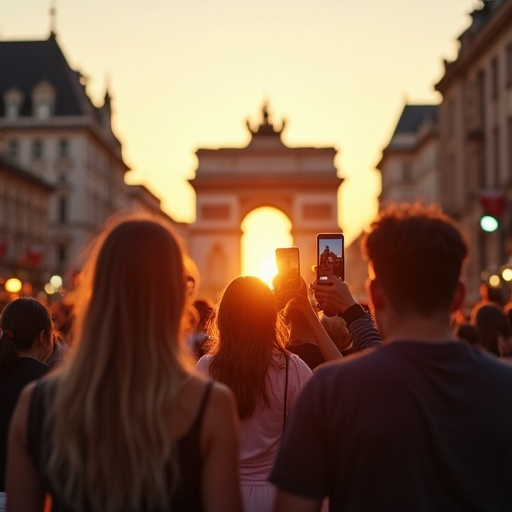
(185, 74)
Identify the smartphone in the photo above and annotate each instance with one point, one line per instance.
(288, 268)
(330, 249)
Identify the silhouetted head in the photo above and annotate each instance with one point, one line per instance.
(467, 332)
(416, 254)
(491, 322)
(247, 310)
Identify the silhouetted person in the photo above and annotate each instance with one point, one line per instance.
(493, 328)
(27, 337)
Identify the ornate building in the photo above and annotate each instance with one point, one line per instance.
(475, 127)
(409, 164)
(51, 128)
(459, 153)
(24, 202)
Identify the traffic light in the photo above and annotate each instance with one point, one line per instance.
(493, 205)
(489, 223)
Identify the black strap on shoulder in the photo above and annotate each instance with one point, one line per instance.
(35, 422)
(204, 401)
(285, 391)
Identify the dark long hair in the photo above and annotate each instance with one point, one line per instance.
(22, 320)
(246, 329)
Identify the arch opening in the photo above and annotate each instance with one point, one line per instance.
(263, 230)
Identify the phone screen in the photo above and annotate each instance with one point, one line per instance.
(330, 257)
(288, 268)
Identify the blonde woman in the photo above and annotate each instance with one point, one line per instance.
(125, 424)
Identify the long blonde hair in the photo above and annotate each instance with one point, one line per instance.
(110, 410)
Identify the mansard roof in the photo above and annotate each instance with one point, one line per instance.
(25, 64)
(413, 116)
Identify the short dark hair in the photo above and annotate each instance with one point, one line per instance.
(417, 254)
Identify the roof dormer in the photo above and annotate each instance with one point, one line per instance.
(43, 100)
(13, 98)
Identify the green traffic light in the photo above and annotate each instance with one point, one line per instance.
(489, 224)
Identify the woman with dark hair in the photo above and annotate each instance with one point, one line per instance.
(125, 423)
(26, 341)
(249, 355)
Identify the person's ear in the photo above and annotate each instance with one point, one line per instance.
(375, 293)
(458, 298)
(41, 339)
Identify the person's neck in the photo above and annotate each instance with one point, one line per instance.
(32, 353)
(421, 330)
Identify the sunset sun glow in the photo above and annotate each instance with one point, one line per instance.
(264, 230)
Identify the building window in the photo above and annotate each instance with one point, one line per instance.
(451, 118)
(63, 148)
(407, 172)
(63, 210)
(482, 179)
(509, 64)
(509, 149)
(61, 256)
(13, 149)
(496, 156)
(481, 98)
(12, 111)
(495, 84)
(13, 99)
(43, 111)
(43, 99)
(37, 149)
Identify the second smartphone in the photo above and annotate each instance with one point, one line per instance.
(330, 248)
(288, 268)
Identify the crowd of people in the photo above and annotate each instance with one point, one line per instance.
(143, 397)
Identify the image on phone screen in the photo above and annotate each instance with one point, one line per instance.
(330, 257)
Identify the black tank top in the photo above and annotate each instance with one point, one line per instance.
(187, 496)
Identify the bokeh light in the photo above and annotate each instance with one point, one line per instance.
(494, 280)
(13, 285)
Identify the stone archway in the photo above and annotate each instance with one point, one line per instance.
(229, 183)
